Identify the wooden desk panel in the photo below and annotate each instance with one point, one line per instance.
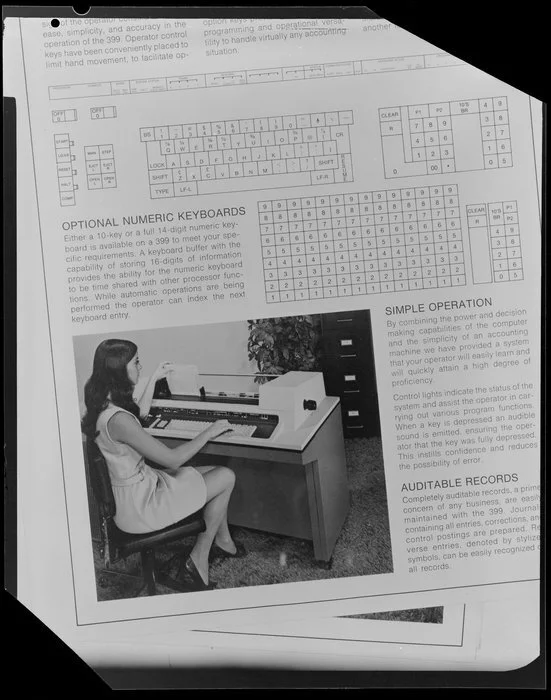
(327, 485)
(270, 496)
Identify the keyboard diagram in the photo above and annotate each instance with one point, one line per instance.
(64, 115)
(363, 243)
(100, 166)
(248, 154)
(494, 237)
(65, 158)
(445, 137)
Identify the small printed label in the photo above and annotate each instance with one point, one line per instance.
(346, 342)
(349, 377)
(353, 414)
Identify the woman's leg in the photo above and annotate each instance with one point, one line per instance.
(223, 536)
(219, 482)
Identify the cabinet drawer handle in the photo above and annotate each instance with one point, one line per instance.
(354, 427)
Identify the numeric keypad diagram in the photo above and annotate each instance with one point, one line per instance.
(445, 137)
(363, 243)
(494, 237)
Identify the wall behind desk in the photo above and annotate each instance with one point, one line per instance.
(213, 348)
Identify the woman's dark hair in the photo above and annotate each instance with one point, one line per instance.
(109, 382)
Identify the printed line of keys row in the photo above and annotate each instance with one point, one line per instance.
(246, 126)
(243, 147)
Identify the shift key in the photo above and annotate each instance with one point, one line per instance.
(325, 163)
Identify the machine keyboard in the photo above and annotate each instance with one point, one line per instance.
(194, 421)
(197, 427)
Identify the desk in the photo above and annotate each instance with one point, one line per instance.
(295, 492)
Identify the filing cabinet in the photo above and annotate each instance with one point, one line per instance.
(348, 366)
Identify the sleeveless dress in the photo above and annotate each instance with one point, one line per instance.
(146, 499)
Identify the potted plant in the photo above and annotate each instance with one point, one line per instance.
(280, 345)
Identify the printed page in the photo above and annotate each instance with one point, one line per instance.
(343, 238)
(354, 643)
(477, 636)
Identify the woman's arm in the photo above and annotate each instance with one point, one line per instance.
(144, 402)
(124, 428)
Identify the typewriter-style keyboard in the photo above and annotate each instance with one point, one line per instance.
(244, 154)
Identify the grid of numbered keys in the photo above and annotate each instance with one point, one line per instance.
(496, 136)
(287, 151)
(432, 135)
(426, 135)
(364, 243)
(505, 241)
(495, 242)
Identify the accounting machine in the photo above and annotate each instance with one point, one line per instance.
(271, 413)
(286, 447)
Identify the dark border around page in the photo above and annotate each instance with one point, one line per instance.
(10, 347)
(509, 43)
(481, 35)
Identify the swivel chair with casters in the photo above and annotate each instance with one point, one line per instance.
(117, 544)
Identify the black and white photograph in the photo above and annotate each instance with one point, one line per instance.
(233, 454)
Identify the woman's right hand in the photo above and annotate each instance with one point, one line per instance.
(217, 428)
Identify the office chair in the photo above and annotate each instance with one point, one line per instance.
(116, 544)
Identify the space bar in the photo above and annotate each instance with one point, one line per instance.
(257, 182)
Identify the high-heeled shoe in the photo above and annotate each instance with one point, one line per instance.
(196, 577)
(217, 551)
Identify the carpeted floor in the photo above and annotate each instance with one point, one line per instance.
(363, 547)
(428, 615)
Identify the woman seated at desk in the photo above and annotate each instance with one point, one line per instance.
(147, 498)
